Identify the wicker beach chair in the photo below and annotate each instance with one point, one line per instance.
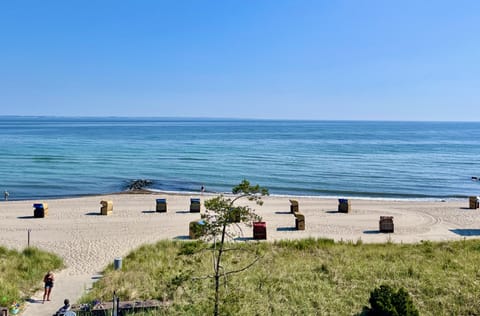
(161, 205)
(40, 210)
(107, 207)
(259, 230)
(386, 224)
(194, 205)
(473, 202)
(293, 206)
(299, 221)
(344, 206)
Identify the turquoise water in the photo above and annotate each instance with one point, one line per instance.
(54, 157)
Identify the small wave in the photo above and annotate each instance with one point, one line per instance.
(191, 159)
(47, 159)
(369, 198)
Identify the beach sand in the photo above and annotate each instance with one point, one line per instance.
(88, 241)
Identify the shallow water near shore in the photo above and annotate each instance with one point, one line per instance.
(46, 157)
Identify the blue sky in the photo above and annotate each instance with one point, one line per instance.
(360, 60)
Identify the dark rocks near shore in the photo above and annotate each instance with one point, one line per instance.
(139, 184)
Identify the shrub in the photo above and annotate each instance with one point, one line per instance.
(190, 248)
(385, 301)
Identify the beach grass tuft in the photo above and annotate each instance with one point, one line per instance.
(22, 272)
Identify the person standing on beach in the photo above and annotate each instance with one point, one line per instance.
(202, 189)
(48, 280)
(5, 195)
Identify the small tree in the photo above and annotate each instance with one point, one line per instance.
(220, 217)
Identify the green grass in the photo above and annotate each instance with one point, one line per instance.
(21, 273)
(302, 277)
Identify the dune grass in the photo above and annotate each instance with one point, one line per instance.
(301, 277)
(21, 273)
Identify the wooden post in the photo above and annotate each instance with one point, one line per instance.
(114, 310)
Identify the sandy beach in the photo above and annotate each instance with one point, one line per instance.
(88, 241)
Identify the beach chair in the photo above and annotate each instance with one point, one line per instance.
(107, 207)
(40, 210)
(343, 206)
(386, 224)
(473, 202)
(259, 230)
(293, 206)
(161, 205)
(299, 221)
(194, 205)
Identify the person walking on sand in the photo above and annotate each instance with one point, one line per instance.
(48, 280)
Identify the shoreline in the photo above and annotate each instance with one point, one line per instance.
(166, 192)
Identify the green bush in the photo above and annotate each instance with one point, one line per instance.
(385, 301)
(191, 247)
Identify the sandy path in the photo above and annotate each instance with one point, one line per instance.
(88, 241)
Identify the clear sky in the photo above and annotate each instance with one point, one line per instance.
(358, 59)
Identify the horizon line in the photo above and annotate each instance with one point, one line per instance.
(207, 118)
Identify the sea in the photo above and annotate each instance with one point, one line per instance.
(55, 157)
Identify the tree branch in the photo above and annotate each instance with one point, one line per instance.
(244, 268)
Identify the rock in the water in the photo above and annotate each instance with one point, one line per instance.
(139, 184)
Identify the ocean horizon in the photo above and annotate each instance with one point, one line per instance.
(54, 157)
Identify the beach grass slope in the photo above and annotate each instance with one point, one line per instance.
(22, 272)
(299, 277)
